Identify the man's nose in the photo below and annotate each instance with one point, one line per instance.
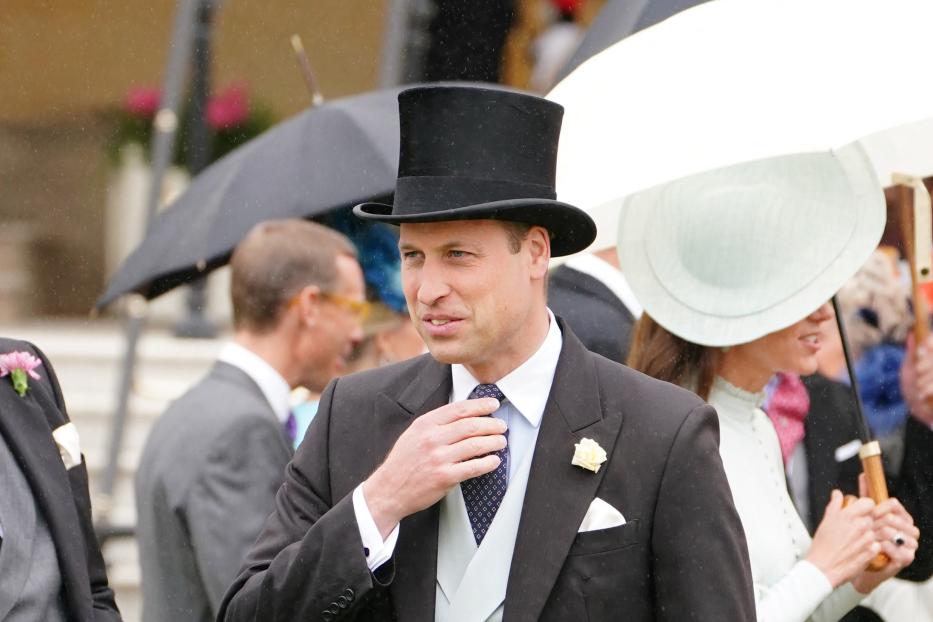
(432, 284)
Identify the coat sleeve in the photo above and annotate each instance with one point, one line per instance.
(231, 500)
(914, 489)
(105, 608)
(308, 562)
(702, 570)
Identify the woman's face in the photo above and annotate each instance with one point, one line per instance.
(792, 350)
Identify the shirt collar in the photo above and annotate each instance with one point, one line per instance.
(609, 276)
(527, 386)
(270, 382)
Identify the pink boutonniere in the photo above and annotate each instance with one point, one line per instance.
(19, 366)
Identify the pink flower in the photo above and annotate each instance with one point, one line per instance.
(19, 360)
(19, 365)
(143, 101)
(229, 108)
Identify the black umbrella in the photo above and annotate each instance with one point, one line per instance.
(619, 19)
(334, 155)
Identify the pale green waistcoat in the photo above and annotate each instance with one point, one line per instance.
(471, 580)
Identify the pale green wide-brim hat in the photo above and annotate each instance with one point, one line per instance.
(730, 255)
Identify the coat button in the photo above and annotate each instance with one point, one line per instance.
(342, 602)
(333, 609)
(349, 593)
(327, 615)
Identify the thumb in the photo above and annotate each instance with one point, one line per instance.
(911, 347)
(862, 485)
(835, 501)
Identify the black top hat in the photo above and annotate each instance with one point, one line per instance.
(469, 153)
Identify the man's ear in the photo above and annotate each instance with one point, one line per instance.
(307, 304)
(538, 242)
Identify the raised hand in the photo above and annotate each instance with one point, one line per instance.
(898, 537)
(917, 379)
(844, 541)
(438, 451)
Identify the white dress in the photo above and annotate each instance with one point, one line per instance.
(787, 588)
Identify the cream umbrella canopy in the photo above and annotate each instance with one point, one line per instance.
(731, 81)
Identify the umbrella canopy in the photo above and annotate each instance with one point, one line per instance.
(334, 155)
(619, 19)
(732, 81)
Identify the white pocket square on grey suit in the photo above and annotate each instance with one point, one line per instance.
(69, 445)
(601, 515)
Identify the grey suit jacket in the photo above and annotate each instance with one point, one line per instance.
(681, 556)
(26, 424)
(205, 485)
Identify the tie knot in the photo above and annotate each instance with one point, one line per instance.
(487, 390)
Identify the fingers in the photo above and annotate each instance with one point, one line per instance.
(893, 535)
(890, 523)
(862, 506)
(473, 447)
(835, 502)
(899, 556)
(469, 469)
(891, 507)
(862, 485)
(469, 427)
(462, 410)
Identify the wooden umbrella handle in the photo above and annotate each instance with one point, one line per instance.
(870, 454)
(907, 196)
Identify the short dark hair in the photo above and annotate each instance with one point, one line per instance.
(275, 260)
(517, 232)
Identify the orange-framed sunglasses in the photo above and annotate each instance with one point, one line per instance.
(360, 308)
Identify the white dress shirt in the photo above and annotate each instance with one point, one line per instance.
(610, 276)
(526, 390)
(270, 382)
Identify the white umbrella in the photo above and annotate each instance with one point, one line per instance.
(736, 80)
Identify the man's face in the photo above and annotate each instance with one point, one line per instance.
(471, 298)
(338, 327)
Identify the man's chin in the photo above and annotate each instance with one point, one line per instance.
(447, 353)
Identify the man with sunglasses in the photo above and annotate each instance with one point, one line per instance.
(214, 460)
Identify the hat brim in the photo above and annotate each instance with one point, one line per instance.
(799, 285)
(571, 229)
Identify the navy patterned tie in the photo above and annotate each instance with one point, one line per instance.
(483, 495)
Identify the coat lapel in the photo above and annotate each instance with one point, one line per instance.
(28, 432)
(558, 493)
(413, 589)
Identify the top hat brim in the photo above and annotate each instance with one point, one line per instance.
(571, 229)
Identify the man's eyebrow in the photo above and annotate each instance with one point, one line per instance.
(408, 246)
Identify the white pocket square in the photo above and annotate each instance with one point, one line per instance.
(69, 445)
(849, 450)
(601, 515)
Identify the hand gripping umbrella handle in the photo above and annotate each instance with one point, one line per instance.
(916, 223)
(870, 454)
